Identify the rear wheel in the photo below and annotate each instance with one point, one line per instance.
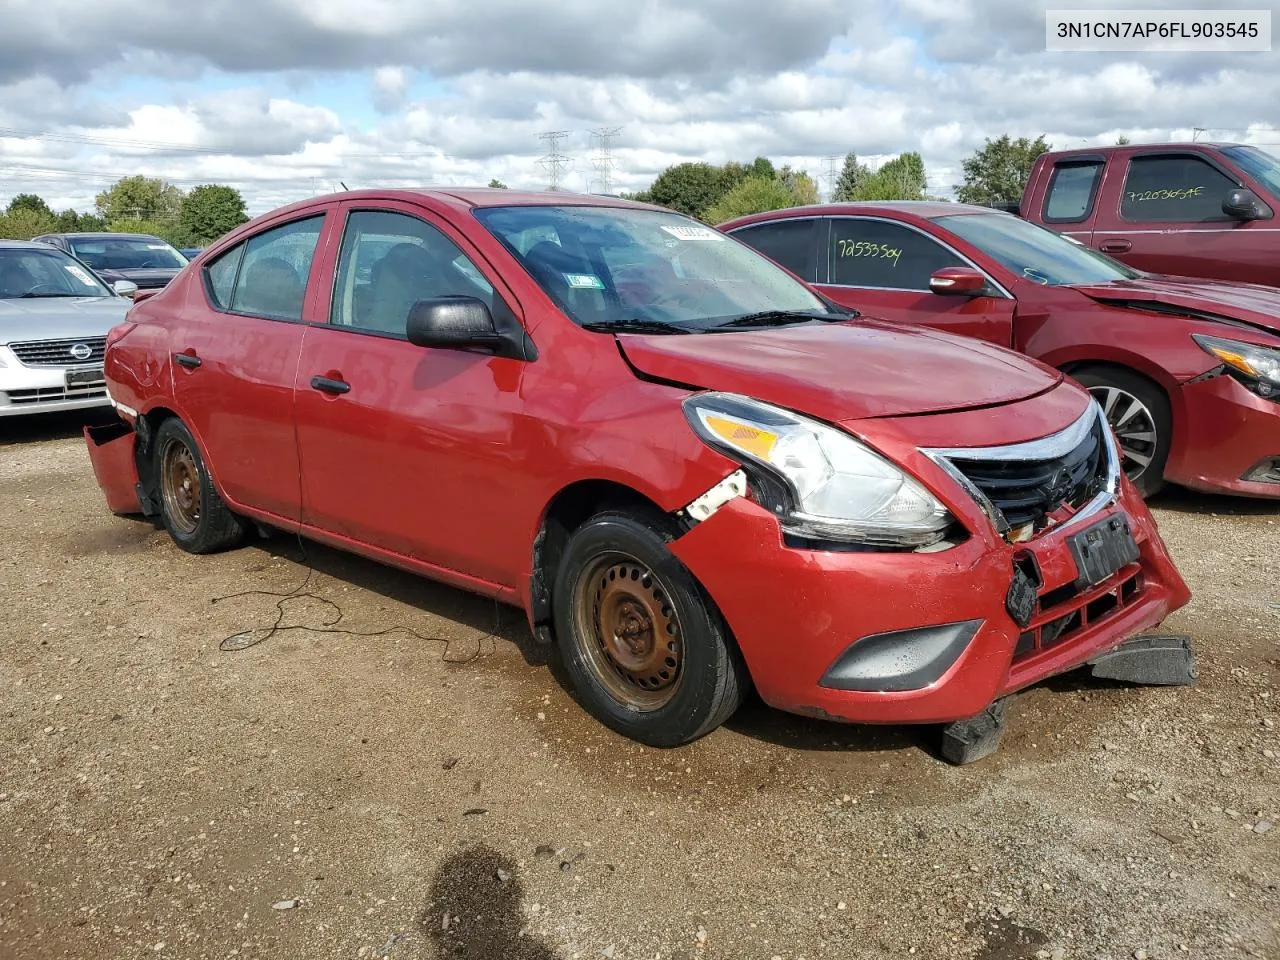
(193, 513)
(1138, 412)
(648, 651)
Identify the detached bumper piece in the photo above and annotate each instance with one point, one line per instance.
(967, 741)
(1149, 661)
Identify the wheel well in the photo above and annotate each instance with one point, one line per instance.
(1076, 365)
(568, 510)
(148, 482)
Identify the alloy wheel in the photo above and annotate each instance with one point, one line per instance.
(1133, 425)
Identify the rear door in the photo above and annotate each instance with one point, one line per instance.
(404, 448)
(1166, 217)
(882, 268)
(235, 359)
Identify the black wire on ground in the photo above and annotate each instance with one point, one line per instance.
(245, 639)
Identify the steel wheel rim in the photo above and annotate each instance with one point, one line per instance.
(1134, 426)
(180, 485)
(628, 632)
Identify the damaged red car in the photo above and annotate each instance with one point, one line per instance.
(691, 472)
(1187, 370)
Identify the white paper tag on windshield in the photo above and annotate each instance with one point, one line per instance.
(692, 232)
(80, 274)
(157, 246)
(583, 281)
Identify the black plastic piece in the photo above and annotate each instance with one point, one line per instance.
(1149, 661)
(901, 660)
(1020, 601)
(187, 360)
(967, 741)
(326, 385)
(1102, 549)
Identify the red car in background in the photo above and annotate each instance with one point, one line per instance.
(1188, 371)
(686, 468)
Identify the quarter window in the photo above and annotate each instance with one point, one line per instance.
(1071, 192)
(222, 276)
(272, 280)
(1179, 189)
(390, 261)
(877, 253)
(791, 243)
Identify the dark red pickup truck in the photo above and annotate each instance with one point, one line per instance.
(1188, 209)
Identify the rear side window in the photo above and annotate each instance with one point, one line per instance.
(1071, 191)
(890, 256)
(791, 243)
(222, 276)
(272, 280)
(1174, 189)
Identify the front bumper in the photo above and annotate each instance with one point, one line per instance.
(795, 612)
(25, 390)
(1227, 431)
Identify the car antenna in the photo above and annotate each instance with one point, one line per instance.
(344, 186)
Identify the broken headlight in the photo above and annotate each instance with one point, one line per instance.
(1257, 367)
(834, 487)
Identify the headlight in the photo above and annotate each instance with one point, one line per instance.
(837, 488)
(1258, 367)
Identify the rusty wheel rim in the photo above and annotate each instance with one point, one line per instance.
(180, 485)
(628, 632)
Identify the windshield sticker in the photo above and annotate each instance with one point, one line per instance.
(80, 274)
(1186, 193)
(692, 232)
(864, 248)
(583, 281)
(157, 246)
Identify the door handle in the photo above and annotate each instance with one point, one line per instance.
(1115, 246)
(188, 360)
(328, 385)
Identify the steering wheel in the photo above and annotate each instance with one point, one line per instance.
(36, 288)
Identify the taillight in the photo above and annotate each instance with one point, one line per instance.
(118, 332)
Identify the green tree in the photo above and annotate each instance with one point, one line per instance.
(758, 194)
(802, 187)
(30, 201)
(71, 221)
(999, 171)
(901, 178)
(497, 184)
(852, 175)
(168, 230)
(1122, 141)
(690, 188)
(24, 223)
(209, 211)
(139, 198)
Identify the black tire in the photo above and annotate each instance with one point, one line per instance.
(709, 679)
(193, 512)
(1100, 381)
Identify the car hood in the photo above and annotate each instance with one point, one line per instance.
(57, 318)
(844, 371)
(1248, 303)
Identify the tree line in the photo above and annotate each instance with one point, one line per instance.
(185, 218)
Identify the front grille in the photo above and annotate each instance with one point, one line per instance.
(47, 394)
(1078, 611)
(57, 353)
(1034, 483)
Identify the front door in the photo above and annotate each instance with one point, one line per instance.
(406, 448)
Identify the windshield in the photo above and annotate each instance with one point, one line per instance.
(127, 253)
(614, 265)
(1033, 252)
(1258, 164)
(27, 272)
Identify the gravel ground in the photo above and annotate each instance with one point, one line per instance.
(438, 793)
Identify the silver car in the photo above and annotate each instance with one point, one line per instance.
(54, 318)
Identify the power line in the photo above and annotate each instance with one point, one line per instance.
(830, 176)
(554, 162)
(604, 159)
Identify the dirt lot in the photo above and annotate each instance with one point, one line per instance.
(324, 795)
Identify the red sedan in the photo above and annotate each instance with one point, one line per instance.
(691, 473)
(1188, 371)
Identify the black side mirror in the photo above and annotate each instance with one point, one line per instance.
(465, 323)
(1244, 204)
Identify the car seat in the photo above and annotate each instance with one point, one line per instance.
(271, 286)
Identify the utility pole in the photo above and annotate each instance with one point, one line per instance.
(554, 162)
(831, 176)
(604, 158)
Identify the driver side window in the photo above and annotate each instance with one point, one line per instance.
(884, 255)
(389, 261)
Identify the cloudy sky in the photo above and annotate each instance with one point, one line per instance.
(285, 98)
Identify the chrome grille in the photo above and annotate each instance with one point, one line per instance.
(47, 394)
(58, 353)
(1029, 485)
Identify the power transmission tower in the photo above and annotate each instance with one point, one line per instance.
(554, 162)
(831, 176)
(604, 158)
(1195, 133)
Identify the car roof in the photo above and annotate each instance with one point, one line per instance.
(26, 245)
(104, 236)
(922, 209)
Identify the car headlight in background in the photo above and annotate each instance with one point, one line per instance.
(838, 489)
(1258, 368)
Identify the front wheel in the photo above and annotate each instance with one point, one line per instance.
(193, 512)
(1138, 412)
(647, 650)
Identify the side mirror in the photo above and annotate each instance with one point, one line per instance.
(125, 288)
(457, 323)
(958, 282)
(1244, 204)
